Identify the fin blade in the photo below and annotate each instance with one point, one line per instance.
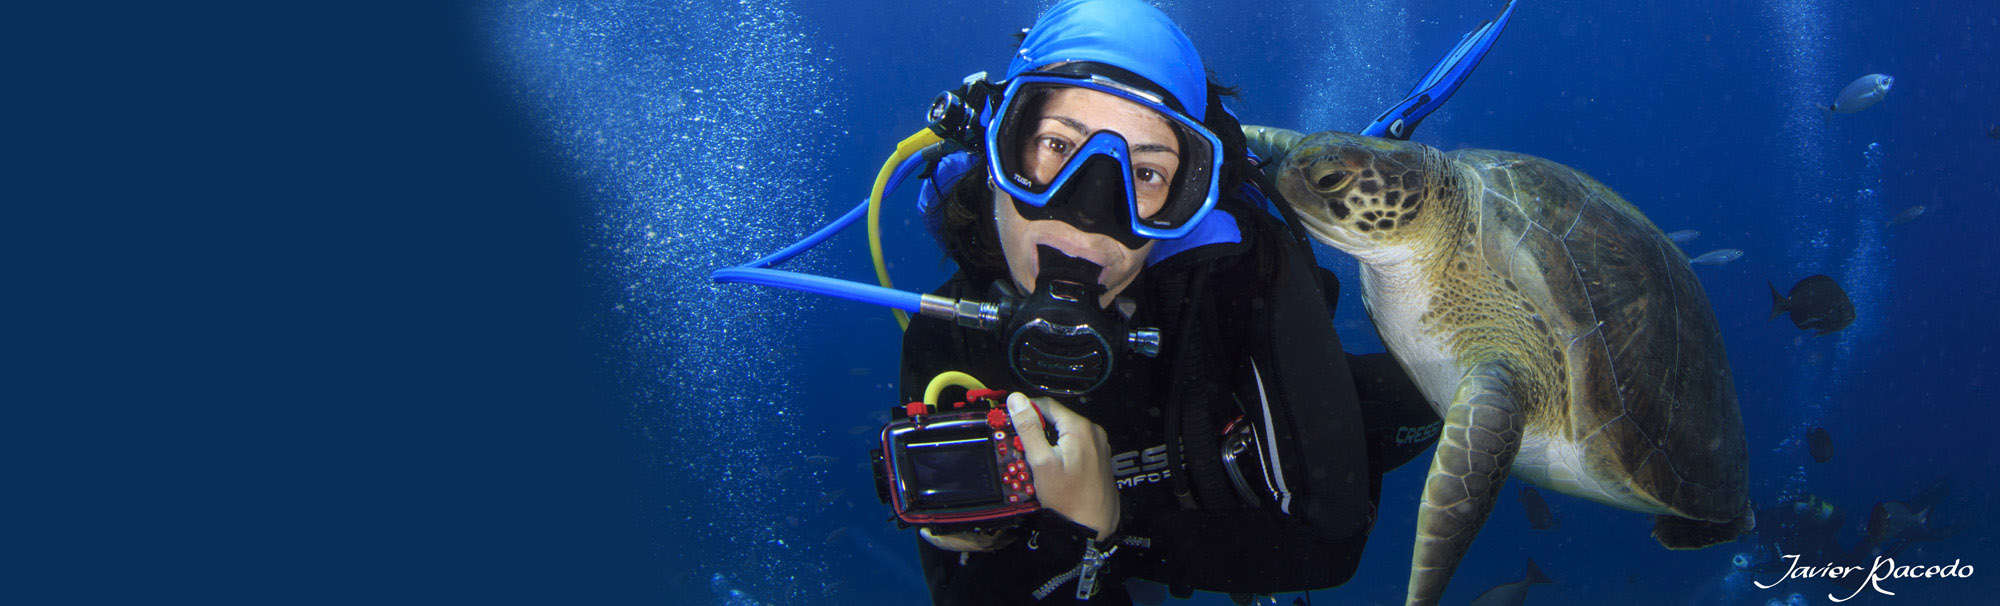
(1441, 81)
(1535, 574)
(1777, 302)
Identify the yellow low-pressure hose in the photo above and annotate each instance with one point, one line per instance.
(915, 143)
(945, 379)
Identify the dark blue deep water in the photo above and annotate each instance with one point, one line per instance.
(703, 134)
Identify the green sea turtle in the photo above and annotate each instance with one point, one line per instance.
(1562, 337)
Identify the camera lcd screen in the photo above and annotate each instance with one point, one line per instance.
(952, 474)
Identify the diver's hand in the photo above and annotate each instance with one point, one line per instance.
(965, 541)
(1073, 476)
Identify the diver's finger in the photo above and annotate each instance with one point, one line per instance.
(1067, 422)
(1028, 427)
(1065, 419)
(963, 541)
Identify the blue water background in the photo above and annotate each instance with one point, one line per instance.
(710, 133)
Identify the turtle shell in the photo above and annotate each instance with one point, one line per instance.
(1650, 398)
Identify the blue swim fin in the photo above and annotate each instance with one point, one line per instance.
(1441, 81)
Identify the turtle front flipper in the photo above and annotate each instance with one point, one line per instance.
(1482, 432)
(1674, 532)
(1271, 144)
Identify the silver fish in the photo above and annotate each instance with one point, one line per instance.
(1908, 215)
(1717, 257)
(1861, 94)
(1683, 236)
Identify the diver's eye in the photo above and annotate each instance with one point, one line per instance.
(1042, 160)
(1055, 145)
(1333, 181)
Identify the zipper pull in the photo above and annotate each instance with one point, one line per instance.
(1093, 560)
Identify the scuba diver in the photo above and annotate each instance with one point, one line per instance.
(1129, 304)
(1110, 188)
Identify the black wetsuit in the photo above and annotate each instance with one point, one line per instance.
(1248, 330)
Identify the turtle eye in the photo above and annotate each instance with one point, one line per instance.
(1333, 181)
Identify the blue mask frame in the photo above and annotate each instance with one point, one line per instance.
(1108, 144)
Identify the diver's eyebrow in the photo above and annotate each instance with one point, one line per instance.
(1080, 127)
(1069, 122)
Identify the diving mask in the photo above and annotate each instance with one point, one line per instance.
(1130, 186)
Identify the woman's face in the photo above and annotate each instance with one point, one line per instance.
(1069, 116)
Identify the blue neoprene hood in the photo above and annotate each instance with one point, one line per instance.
(1128, 34)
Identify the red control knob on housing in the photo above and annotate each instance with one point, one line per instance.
(980, 394)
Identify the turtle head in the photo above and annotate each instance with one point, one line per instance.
(1361, 194)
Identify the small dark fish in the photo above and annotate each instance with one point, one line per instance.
(1515, 593)
(1994, 132)
(1717, 257)
(1861, 94)
(1908, 215)
(1816, 303)
(1683, 236)
(1820, 444)
(1893, 520)
(1539, 516)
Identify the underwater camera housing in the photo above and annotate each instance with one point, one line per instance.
(959, 467)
